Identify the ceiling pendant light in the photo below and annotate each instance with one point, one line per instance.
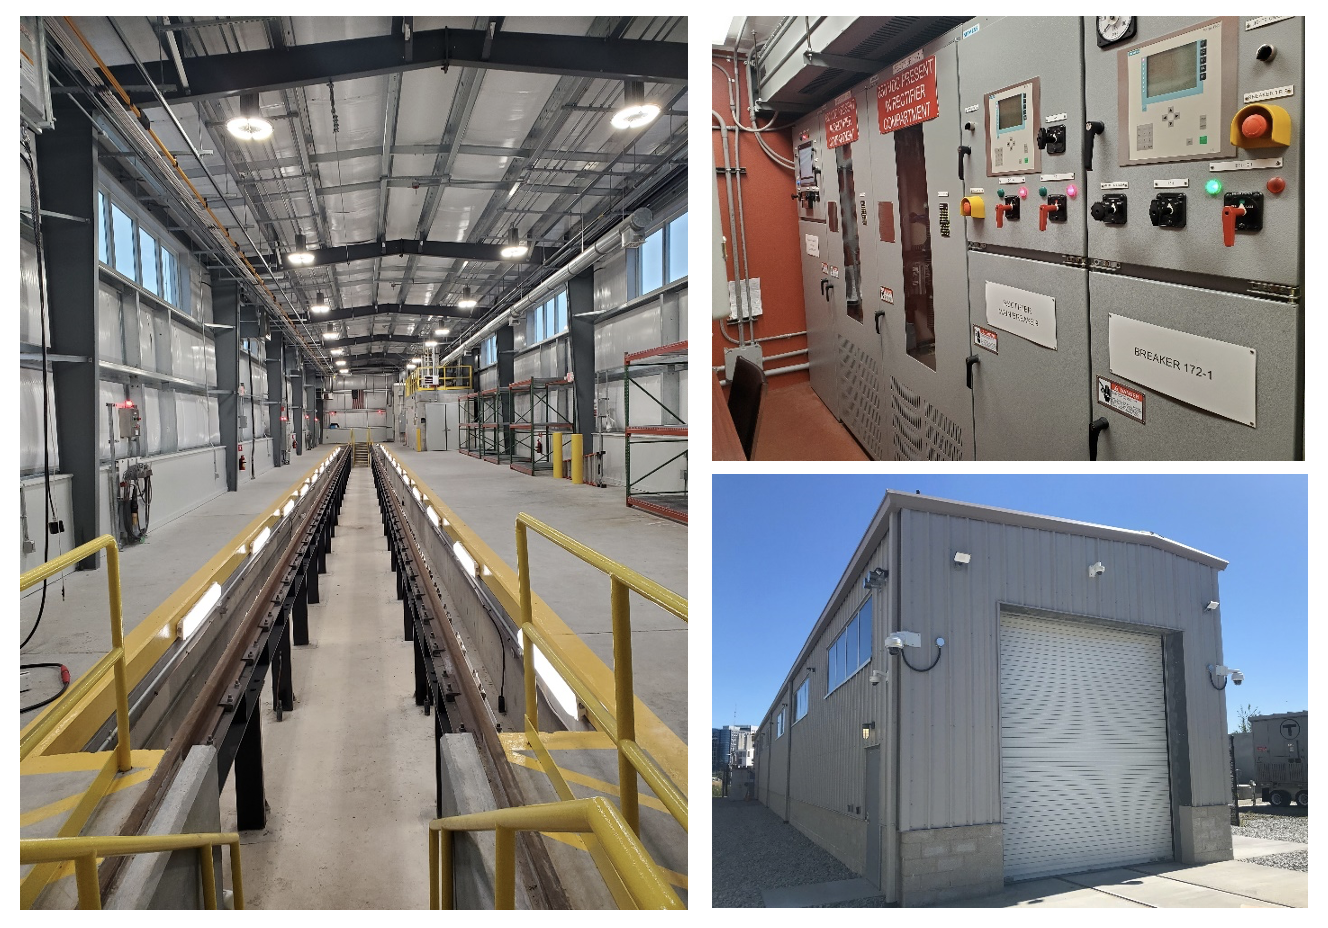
(249, 124)
(513, 247)
(341, 362)
(331, 335)
(416, 360)
(441, 332)
(319, 305)
(635, 112)
(301, 256)
(467, 301)
(431, 344)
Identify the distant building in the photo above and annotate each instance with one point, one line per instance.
(732, 746)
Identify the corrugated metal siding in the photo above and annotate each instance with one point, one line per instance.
(828, 760)
(949, 763)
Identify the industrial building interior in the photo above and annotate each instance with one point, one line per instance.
(1147, 305)
(353, 458)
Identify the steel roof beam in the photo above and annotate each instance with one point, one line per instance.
(368, 251)
(226, 75)
(408, 309)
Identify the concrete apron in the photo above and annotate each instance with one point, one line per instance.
(349, 773)
(1227, 884)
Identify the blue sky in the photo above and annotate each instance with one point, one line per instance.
(782, 542)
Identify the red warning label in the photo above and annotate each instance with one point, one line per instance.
(908, 98)
(1121, 398)
(841, 123)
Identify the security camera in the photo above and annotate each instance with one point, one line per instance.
(876, 677)
(1237, 677)
(894, 644)
(1095, 570)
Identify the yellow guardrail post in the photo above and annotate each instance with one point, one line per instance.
(85, 874)
(556, 453)
(114, 660)
(504, 869)
(578, 460)
(623, 697)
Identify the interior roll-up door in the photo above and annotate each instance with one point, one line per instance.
(1084, 772)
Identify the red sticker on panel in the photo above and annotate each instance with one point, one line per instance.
(841, 124)
(908, 98)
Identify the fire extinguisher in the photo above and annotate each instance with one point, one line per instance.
(539, 445)
(241, 450)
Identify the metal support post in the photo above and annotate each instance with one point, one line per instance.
(300, 614)
(226, 312)
(581, 333)
(276, 378)
(250, 795)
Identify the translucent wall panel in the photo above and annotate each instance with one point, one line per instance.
(147, 340)
(30, 422)
(108, 392)
(110, 344)
(29, 295)
(152, 420)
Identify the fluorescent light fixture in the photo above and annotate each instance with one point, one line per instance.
(410, 367)
(259, 540)
(249, 124)
(555, 687)
(300, 256)
(416, 360)
(337, 351)
(340, 362)
(467, 301)
(288, 508)
(331, 335)
(415, 493)
(195, 616)
(635, 112)
(464, 557)
(513, 247)
(432, 516)
(319, 305)
(431, 344)
(511, 192)
(441, 332)
(277, 513)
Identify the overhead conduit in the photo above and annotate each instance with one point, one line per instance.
(609, 243)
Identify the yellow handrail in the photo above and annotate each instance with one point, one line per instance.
(628, 857)
(619, 725)
(114, 660)
(84, 851)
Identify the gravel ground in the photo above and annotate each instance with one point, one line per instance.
(1280, 827)
(753, 849)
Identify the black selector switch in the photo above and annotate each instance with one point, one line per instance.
(1110, 209)
(1252, 219)
(1052, 139)
(1167, 210)
(1058, 211)
(1265, 53)
(1011, 207)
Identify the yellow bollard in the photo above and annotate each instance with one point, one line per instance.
(578, 462)
(556, 453)
(418, 445)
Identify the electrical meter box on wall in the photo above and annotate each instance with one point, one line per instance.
(127, 419)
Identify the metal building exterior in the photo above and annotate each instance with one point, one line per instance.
(1068, 722)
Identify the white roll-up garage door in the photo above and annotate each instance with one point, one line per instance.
(1084, 774)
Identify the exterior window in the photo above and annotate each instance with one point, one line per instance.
(562, 312)
(677, 249)
(147, 252)
(852, 650)
(800, 703)
(122, 230)
(103, 233)
(489, 351)
(170, 284)
(779, 724)
(652, 262)
(547, 320)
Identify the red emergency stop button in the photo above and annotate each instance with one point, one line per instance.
(1254, 126)
(1276, 185)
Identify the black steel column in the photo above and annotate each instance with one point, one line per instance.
(67, 172)
(581, 333)
(226, 312)
(276, 376)
(300, 615)
(295, 372)
(250, 794)
(506, 374)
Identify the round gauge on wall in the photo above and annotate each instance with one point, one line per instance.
(1113, 29)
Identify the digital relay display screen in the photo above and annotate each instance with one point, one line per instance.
(1010, 112)
(1173, 70)
(806, 170)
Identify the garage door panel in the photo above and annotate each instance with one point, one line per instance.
(1085, 780)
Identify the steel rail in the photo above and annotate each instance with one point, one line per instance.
(507, 790)
(200, 722)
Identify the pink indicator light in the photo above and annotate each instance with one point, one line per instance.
(1023, 193)
(1072, 191)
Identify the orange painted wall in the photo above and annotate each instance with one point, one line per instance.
(771, 221)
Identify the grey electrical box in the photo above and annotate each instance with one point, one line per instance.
(127, 420)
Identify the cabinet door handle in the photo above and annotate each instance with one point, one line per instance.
(879, 314)
(1096, 428)
(963, 150)
(1092, 128)
(969, 363)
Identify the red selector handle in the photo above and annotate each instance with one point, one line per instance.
(1229, 214)
(1001, 210)
(1043, 211)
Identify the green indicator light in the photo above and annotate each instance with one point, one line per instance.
(1000, 192)
(1042, 191)
(1203, 140)
(1214, 187)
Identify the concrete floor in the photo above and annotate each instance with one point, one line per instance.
(75, 627)
(1229, 884)
(489, 496)
(350, 772)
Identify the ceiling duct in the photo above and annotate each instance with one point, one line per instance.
(614, 240)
